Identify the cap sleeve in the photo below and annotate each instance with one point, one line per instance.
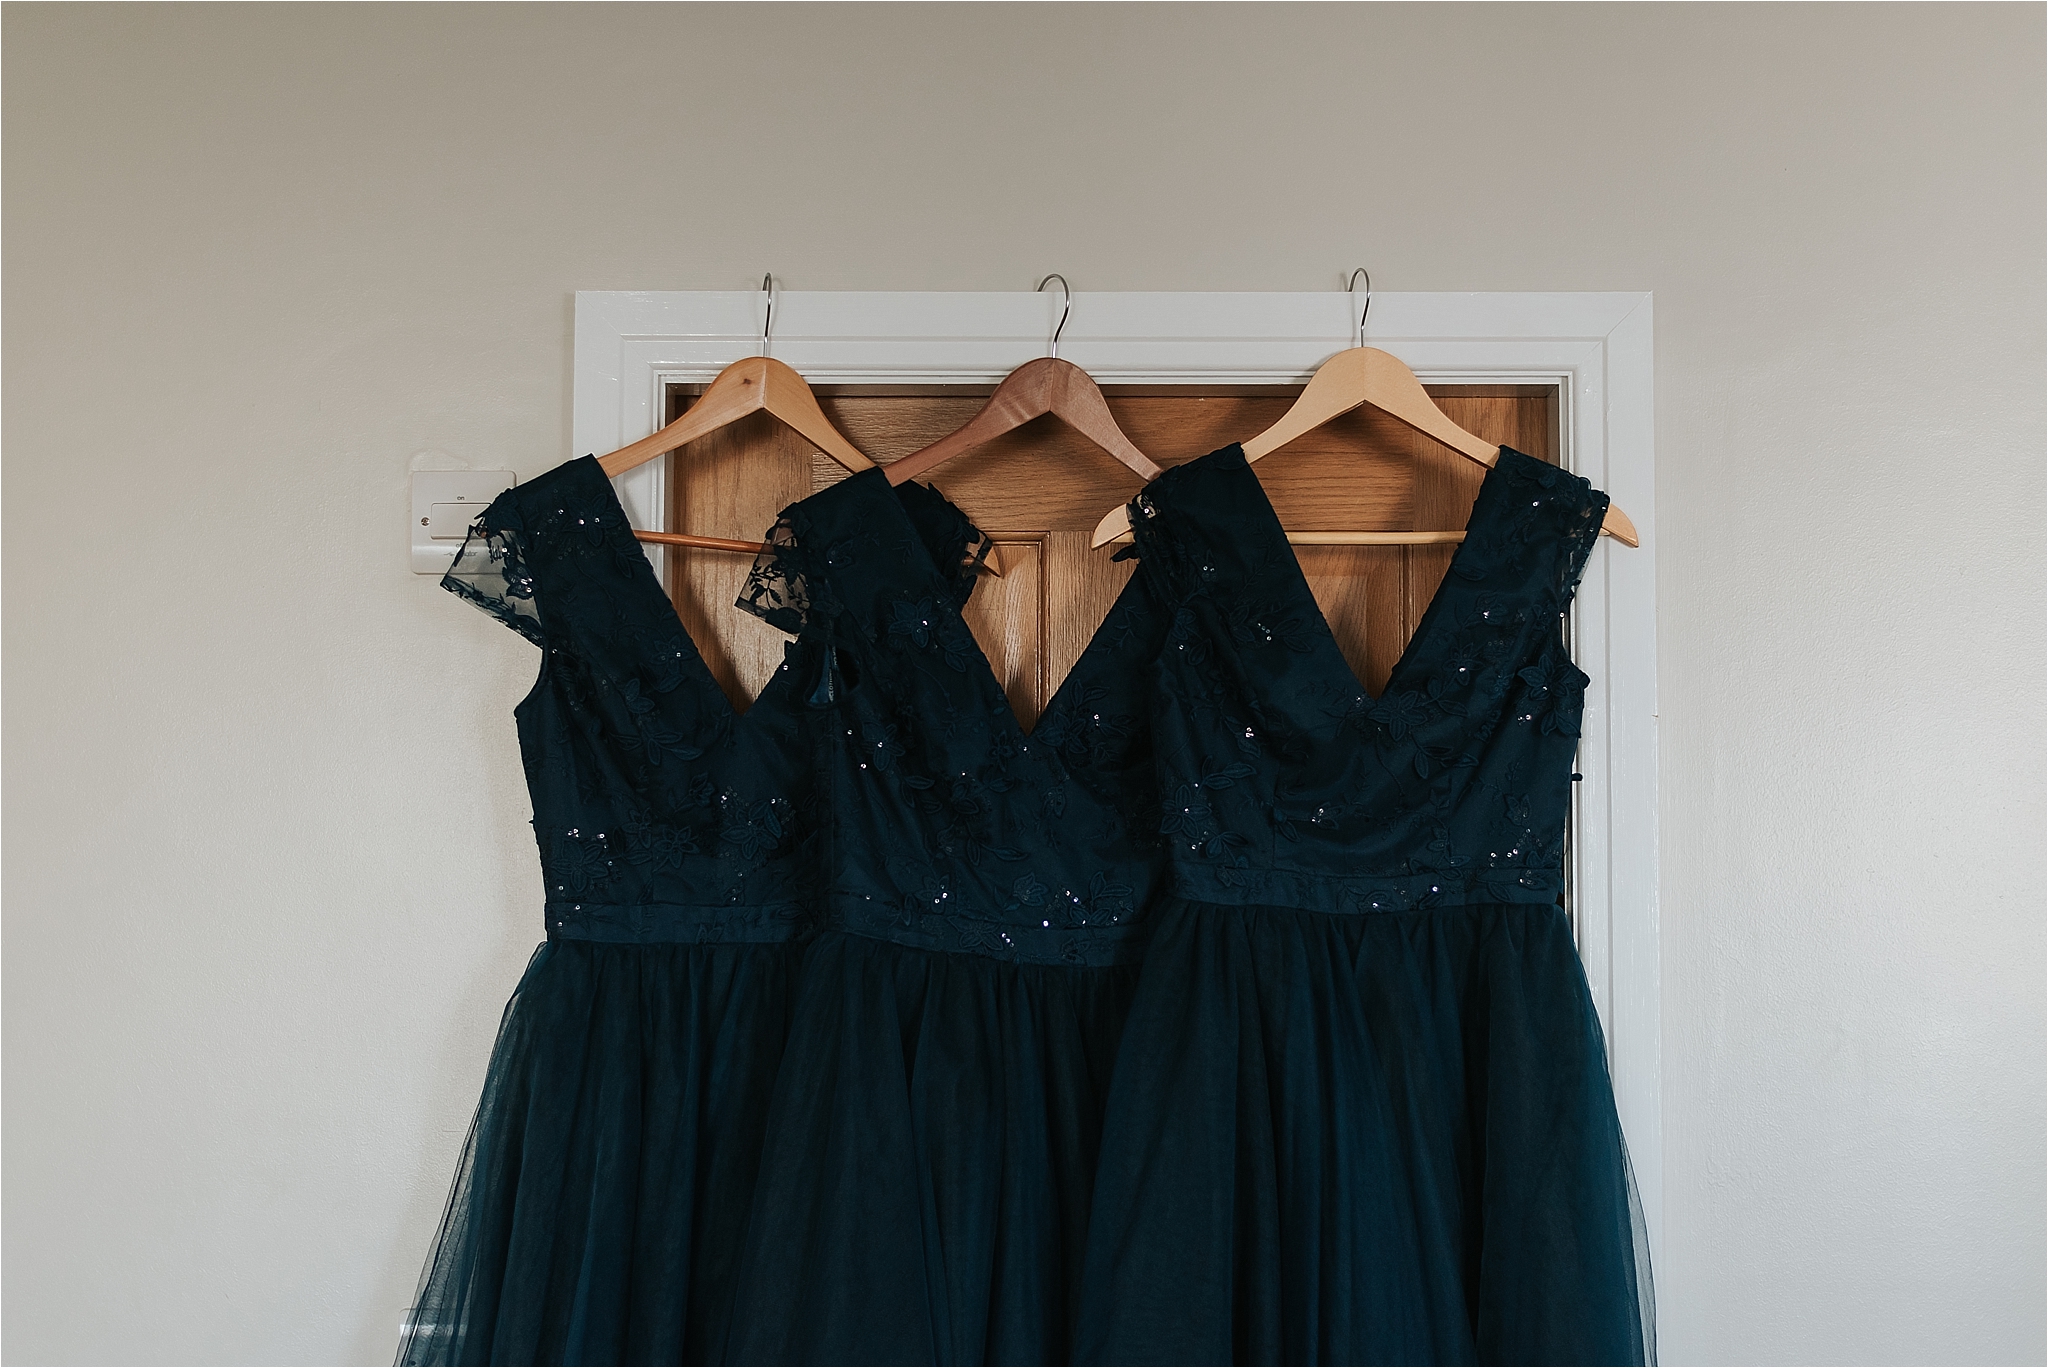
(494, 570)
(779, 589)
(1548, 521)
(789, 589)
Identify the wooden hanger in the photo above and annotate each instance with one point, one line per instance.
(749, 385)
(1046, 385)
(1367, 375)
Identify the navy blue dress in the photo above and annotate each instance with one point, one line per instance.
(602, 1199)
(930, 1153)
(1362, 1111)
(1229, 1014)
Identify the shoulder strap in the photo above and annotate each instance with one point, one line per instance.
(556, 559)
(1205, 525)
(844, 546)
(1496, 618)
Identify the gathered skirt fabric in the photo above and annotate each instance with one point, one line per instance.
(924, 1196)
(603, 1194)
(1363, 1139)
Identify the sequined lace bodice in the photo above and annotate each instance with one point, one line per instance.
(1282, 781)
(951, 827)
(661, 812)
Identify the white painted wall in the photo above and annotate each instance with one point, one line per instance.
(268, 878)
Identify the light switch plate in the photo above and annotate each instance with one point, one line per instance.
(444, 503)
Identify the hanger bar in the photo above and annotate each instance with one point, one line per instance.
(992, 564)
(1338, 538)
(1116, 527)
(702, 543)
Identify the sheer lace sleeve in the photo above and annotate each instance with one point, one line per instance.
(493, 570)
(778, 588)
(787, 590)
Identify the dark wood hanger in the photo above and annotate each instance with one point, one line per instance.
(1034, 389)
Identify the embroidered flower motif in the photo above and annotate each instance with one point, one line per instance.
(1185, 640)
(657, 843)
(580, 862)
(1083, 732)
(1266, 625)
(1227, 777)
(1187, 814)
(693, 792)
(1398, 713)
(652, 735)
(981, 937)
(883, 749)
(1106, 901)
(1026, 892)
(926, 891)
(928, 626)
(753, 828)
(1222, 846)
(1496, 610)
(1556, 694)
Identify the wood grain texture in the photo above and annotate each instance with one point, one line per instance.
(1040, 490)
(732, 483)
(1008, 619)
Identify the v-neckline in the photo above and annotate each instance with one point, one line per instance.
(988, 681)
(988, 678)
(1260, 521)
(621, 527)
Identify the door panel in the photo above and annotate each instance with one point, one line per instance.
(1039, 492)
(1008, 617)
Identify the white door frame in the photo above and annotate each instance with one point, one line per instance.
(1596, 348)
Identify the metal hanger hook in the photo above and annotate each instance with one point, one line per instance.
(1351, 289)
(1066, 307)
(768, 318)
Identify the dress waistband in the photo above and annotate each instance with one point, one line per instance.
(676, 923)
(1058, 937)
(1316, 892)
(1044, 941)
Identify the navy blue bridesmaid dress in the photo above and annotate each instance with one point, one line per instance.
(930, 1153)
(1229, 1014)
(1362, 1112)
(601, 1202)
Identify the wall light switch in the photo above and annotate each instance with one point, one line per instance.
(444, 504)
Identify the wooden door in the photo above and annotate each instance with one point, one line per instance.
(1040, 491)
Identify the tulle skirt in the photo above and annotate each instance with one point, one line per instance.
(844, 1151)
(1363, 1139)
(930, 1160)
(603, 1196)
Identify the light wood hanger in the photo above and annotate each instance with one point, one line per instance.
(1367, 375)
(1038, 387)
(749, 385)
(746, 386)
